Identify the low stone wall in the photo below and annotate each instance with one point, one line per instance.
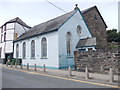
(98, 61)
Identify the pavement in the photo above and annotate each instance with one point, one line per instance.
(16, 79)
(94, 78)
(1, 61)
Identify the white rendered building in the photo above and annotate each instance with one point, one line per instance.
(10, 31)
(53, 42)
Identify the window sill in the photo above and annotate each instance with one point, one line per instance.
(32, 58)
(43, 58)
(23, 58)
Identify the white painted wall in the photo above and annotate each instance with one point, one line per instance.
(71, 26)
(2, 45)
(3, 29)
(11, 28)
(56, 44)
(20, 29)
(2, 40)
(52, 48)
(0, 30)
(10, 34)
(9, 47)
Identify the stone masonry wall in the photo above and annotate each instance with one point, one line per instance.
(96, 26)
(98, 61)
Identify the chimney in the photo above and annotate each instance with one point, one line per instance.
(76, 7)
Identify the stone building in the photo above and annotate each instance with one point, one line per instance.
(96, 25)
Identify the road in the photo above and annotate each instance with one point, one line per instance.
(18, 79)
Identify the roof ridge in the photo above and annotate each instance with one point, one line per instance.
(47, 26)
(54, 18)
(18, 20)
(85, 10)
(88, 9)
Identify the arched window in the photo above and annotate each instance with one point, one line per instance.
(44, 47)
(33, 49)
(24, 50)
(79, 30)
(17, 51)
(68, 41)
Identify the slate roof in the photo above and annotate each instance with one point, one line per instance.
(86, 42)
(89, 9)
(18, 20)
(46, 27)
(51, 25)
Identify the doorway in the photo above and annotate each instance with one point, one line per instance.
(6, 55)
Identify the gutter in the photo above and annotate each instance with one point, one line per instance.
(35, 35)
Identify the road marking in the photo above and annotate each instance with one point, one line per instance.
(113, 86)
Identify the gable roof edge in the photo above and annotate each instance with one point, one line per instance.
(35, 35)
(86, 23)
(98, 13)
(67, 19)
(15, 20)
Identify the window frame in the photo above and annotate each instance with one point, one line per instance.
(1, 38)
(44, 48)
(79, 30)
(24, 50)
(17, 50)
(4, 36)
(69, 43)
(33, 49)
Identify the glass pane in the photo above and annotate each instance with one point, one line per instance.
(33, 49)
(44, 47)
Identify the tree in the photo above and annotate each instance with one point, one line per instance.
(118, 37)
(113, 36)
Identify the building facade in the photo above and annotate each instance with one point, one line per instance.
(53, 42)
(10, 31)
(97, 26)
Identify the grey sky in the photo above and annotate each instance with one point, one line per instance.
(119, 16)
(34, 12)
